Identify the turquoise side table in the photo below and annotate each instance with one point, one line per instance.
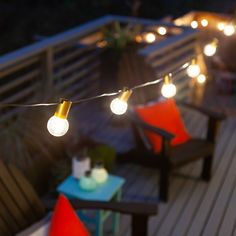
(111, 190)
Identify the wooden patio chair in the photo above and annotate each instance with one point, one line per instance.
(20, 205)
(170, 158)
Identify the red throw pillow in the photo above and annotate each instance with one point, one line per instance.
(64, 220)
(164, 115)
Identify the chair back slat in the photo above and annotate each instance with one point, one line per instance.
(3, 228)
(7, 221)
(14, 190)
(19, 204)
(29, 193)
(10, 203)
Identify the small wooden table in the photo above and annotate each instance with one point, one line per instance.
(111, 190)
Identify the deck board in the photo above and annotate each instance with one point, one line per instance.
(212, 191)
(195, 207)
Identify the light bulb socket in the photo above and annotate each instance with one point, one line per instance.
(194, 61)
(215, 42)
(125, 94)
(63, 108)
(167, 79)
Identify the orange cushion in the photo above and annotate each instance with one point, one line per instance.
(64, 220)
(164, 115)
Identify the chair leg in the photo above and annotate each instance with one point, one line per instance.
(164, 184)
(206, 168)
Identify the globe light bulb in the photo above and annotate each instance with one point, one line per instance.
(201, 79)
(210, 49)
(193, 70)
(119, 105)
(150, 37)
(138, 38)
(58, 124)
(168, 89)
(161, 30)
(229, 30)
(204, 22)
(221, 26)
(194, 24)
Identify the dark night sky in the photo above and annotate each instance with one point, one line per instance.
(21, 20)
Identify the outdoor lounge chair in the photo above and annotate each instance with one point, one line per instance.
(21, 207)
(170, 158)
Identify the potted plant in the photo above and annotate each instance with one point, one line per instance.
(121, 46)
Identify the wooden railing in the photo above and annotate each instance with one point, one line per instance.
(172, 56)
(67, 65)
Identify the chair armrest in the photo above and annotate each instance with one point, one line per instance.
(163, 133)
(205, 111)
(122, 207)
(140, 212)
(213, 120)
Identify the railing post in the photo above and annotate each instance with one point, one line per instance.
(47, 72)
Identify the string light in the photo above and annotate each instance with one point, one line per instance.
(229, 30)
(201, 79)
(119, 105)
(204, 22)
(210, 49)
(150, 37)
(149, 83)
(58, 124)
(168, 89)
(161, 30)
(138, 38)
(221, 26)
(185, 65)
(194, 24)
(193, 70)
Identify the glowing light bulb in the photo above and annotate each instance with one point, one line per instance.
(221, 26)
(168, 89)
(210, 49)
(138, 38)
(193, 70)
(58, 124)
(150, 37)
(102, 44)
(201, 79)
(119, 105)
(204, 22)
(194, 24)
(229, 30)
(161, 30)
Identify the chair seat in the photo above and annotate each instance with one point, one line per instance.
(189, 151)
(180, 154)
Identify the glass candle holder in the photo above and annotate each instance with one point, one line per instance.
(99, 173)
(87, 182)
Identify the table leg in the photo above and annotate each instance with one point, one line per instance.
(99, 223)
(116, 218)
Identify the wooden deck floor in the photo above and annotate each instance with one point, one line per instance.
(195, 207)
